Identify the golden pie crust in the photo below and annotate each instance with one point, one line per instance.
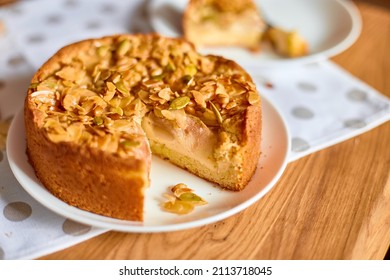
(97, 110)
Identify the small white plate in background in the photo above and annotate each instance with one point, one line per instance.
(329, 27)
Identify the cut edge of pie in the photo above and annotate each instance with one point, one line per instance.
(98, 108)
(213, 23)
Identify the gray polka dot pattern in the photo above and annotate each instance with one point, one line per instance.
(357, 95)
(355, 123)
(17, 211)
(74, 228)
(71, 3)
(307, 87)
(93, 25)
(54, 19)
(2, 254)
(16, 60)
(302, 113)
(299, 145)
(35, 39)
(16, 10)
(107, 8)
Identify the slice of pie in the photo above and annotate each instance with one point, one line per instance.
(223, 23)
(287, 43)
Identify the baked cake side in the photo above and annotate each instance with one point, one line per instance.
(96, 109)
(223, 23)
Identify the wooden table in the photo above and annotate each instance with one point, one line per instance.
(334, 204)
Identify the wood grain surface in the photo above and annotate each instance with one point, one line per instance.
(333, 204)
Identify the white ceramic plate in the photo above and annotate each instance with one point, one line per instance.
(221, 203)
(329, 27)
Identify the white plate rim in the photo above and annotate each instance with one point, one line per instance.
(344, 44)
(18, 164)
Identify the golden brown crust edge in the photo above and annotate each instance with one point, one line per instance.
(251, 136)
(120, 194)
(71, 173)
(40, 145)
(252, 148)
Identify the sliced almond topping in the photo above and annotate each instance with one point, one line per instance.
(115, 81)
(253, 98)
(70, 73)
(199, 98)
(183, 200)
(178, 207)
(165, 93)
(168, 114)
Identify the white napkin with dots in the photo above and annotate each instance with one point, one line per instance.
(321, 103)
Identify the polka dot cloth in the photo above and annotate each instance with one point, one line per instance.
(65, 21)
(17, 211)
(321, 103)
(28, 230)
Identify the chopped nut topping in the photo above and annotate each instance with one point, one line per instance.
(123, 48)
(253, 98)
(97, 94)
(216, 112)
(183, 200)
(179, 103)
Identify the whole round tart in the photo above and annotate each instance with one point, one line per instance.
(97, 110)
